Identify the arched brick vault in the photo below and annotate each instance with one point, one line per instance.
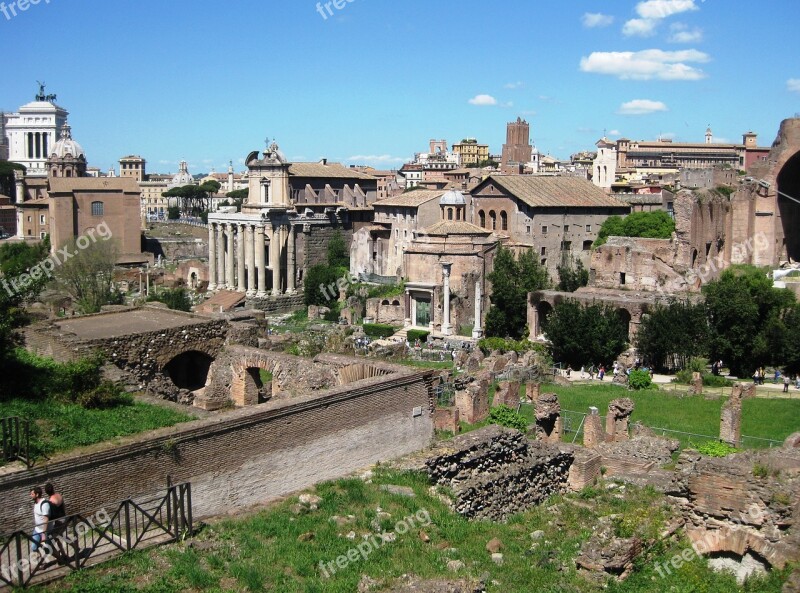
(632, 305)
(232, 376)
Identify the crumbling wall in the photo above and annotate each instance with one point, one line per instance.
(496, 472)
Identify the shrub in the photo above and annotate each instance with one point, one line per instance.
(488, 345)
(177, 298)
(715, 449)
(418, 334)
(760, 470)
(378, 330)
(104, 396)
(505, 416)
(639, 379)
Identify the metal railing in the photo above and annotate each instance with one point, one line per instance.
(81, 540)
(16, 436)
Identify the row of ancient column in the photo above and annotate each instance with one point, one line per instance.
(237, 257)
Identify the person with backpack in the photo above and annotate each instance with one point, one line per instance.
(55, 523)
(41, 510)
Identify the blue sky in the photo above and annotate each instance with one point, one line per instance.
(373, 81)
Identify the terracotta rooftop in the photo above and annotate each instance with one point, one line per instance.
(454, 227)
(329, 170)
(413, 199)
(553, 192)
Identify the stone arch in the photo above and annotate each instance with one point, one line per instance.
(189, 369)
(482, 219)
(789, 185)
(626, 317)
(543, 310)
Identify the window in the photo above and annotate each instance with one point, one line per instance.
(587, 245)
(588, 228)
(544, 261)
(543, 251)
(449, 214)
(621, 278)
(41, 219)
(528, 229)
(42, 235)
(97, 208)
(503, 221)
(566, 229)
(482, 218)
(492, 220)
(544, 229)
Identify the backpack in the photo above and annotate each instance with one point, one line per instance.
(55, 511)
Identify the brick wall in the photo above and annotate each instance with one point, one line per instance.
(243, 457)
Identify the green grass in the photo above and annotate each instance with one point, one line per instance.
(764, 418)
(58, 427)
(278, 550)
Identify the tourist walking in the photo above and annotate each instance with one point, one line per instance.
(56, 523)
(41, 512)
(602, 372)
(786, 382)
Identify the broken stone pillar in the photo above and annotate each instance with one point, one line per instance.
(532, 391)
(548, 418)
(696, 386)
(730, 423)
(446, 419)
(619, 413)
(473, 402)
(593, 433)
(507, 393)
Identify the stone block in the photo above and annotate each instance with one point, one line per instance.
(473, 403)
(532, 391)
(507, 393)
(593, 433)
(446, 419)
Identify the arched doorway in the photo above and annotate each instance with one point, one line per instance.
(189, 370)
(543, 310)
(625, 317)
(789, 208)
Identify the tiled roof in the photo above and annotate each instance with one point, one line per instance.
(554, 192)
(414, 198)
(454, 227)
(330, 170)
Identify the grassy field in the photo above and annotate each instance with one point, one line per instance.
(763, 418)
(58, 427)
(285, 550)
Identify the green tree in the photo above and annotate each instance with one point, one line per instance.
(582, 335)
(173, 212)
(669, 335)
(572, 275)
(88, 275)
(338, 254)
(512, 279)
(319, 285)
(654, 225)
(238, 194)
(746, 317)
(791, 354)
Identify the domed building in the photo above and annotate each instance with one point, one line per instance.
(182, 177)
(67, 158)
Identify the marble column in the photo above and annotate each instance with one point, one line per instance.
(220, 257)
(446, 328)
(275, 260)
(230, 282)
(212, 257)
(291, 264)
(477, 330)
(240, 258)
(250, 256)
(261, 264)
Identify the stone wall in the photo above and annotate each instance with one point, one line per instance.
(177, 249)
(242, 457)
(284, 303)
(495, 472)
(743, 504)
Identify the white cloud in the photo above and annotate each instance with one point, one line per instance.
(680, 33)
(793, 85)
(639, 28)
(614, 133)
(648, 64)
(376, 158)
(661, 9)
(596, 19)
(514, 85)
(528, 112)
(641, 107)
(483, 100)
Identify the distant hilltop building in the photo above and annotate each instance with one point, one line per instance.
(628, 161)
(517, 150)
(471, 153)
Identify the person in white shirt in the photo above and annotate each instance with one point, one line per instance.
(41, 510)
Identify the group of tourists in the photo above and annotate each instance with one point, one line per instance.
(48, 514)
